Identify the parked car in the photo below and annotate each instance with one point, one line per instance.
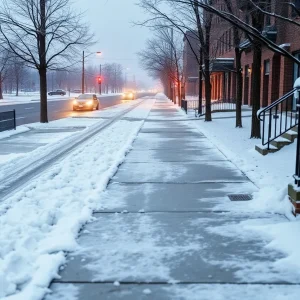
(86, 102)
(57, 93)
(129, 95)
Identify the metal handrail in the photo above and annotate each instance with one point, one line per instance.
(269, 107)
(278, 118)
(216, 106)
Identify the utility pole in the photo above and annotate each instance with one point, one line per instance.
(82, 79)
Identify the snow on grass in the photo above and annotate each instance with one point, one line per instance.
(65, 123)
(44, 218)
(142, 111)
(9, 133)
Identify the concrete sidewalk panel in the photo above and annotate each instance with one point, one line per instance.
(185, 247)
(184, 142)
(110, 291)
(174, 155)
(173, 197)
(179, 172)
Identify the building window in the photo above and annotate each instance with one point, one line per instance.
(267, 67)
(247, 71)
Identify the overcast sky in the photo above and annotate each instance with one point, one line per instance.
(118, 38)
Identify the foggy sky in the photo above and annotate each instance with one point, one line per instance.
(118, 38)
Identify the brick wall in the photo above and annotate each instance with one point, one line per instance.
(280, 78)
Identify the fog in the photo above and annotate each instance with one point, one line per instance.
(117, 37)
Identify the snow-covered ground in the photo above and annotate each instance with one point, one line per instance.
(271, 174)
(66, 130)
(43, 219)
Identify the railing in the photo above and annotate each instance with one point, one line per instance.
(216, 106)
(219, 106)
(184, 105)
(7, 120)
(278, 118)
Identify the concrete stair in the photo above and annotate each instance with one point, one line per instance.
(286, 139)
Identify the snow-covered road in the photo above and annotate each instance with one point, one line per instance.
(43, 219)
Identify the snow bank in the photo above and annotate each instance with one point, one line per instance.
(44, 218)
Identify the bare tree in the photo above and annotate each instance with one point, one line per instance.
(4, 66)
(45, 34)
(162, 58)
(18, 68)
(186, 16)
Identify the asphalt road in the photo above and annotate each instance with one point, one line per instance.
(57, 109)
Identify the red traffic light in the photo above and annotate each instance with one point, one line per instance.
(99, 79)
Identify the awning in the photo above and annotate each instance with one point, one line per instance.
(222, 65)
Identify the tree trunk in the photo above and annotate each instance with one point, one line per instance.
(43, 64)
(255, 86)
(43, 92)
(1, 93)
(207, 75)
(17, 86)
(257, 22)
(239, 88)
(200, 88)
(179, 91)
(207, 91)
(182, 91)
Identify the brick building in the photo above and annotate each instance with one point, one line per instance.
(190, 63)
(278, 72)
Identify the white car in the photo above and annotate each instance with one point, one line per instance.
(86, 102)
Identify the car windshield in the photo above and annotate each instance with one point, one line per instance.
(85, 96)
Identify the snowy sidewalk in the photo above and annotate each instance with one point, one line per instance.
(166, 228)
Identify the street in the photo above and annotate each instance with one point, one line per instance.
(57, 109)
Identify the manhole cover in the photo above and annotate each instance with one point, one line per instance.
(240, 197)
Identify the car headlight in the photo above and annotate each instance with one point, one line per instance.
(130, 95)
(75, 102)
(89, 102)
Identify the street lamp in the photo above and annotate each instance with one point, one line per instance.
(83, 61)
